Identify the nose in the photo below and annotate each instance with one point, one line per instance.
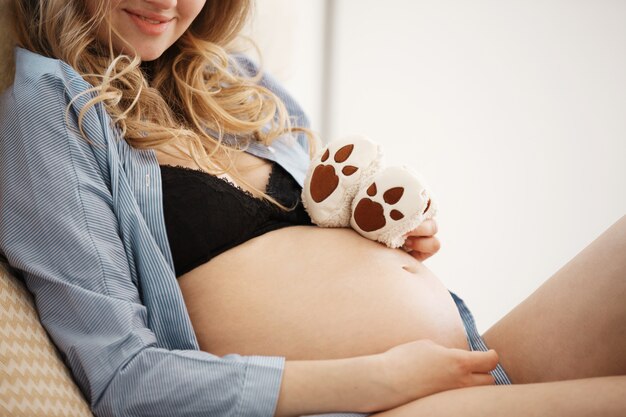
(163, 4)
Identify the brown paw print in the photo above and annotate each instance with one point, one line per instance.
(370, 215)
(325, 180)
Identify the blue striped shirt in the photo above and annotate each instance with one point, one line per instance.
(83, 224)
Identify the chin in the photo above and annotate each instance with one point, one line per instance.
(147, 51)
(147, 56)
(144, 54)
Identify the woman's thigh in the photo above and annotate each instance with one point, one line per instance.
(574, 325)
(590, 397)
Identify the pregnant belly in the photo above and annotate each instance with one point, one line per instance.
(313, 293)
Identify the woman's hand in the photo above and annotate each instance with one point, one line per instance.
(421, 243)
(416, 369)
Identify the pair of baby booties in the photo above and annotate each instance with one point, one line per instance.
(347, 185)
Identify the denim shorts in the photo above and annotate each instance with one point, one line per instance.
(475, 341)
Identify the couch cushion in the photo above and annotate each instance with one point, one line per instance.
(33, 379)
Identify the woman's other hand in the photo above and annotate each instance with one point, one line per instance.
(416, 369)
(421, 242)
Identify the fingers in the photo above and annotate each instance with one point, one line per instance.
(427, 228)
(420, 256)
(482, 379)
(478, 365)
(482, 362)
(426, 245)
(421, 243)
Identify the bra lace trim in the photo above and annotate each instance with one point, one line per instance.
(242, 194)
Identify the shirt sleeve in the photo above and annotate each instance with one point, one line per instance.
(58, 227)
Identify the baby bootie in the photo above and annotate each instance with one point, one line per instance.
(334, 177)
(391, 204)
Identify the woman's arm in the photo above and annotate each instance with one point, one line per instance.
(63, 229)
(380, 382)
(64, 218)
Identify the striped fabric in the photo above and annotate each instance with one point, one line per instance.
(475, 341)
(34, 381)
(83, 224)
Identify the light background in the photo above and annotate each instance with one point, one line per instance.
(514, 110)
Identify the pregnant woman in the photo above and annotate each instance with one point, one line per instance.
(323, 301)
(149, 196)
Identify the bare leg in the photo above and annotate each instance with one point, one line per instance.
(573, 328)
(574, 325)
(579, 398)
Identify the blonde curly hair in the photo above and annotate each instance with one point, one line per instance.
(189, 98)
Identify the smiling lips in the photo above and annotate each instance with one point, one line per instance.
(148, 23)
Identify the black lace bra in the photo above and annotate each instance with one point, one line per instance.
(206, 215)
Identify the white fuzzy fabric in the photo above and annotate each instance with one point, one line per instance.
(335, 209)
(412, 204)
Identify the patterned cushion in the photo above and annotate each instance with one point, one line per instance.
(33, 379)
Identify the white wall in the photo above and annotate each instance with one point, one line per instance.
(516, 113)
(514, 110)
(289, 34)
